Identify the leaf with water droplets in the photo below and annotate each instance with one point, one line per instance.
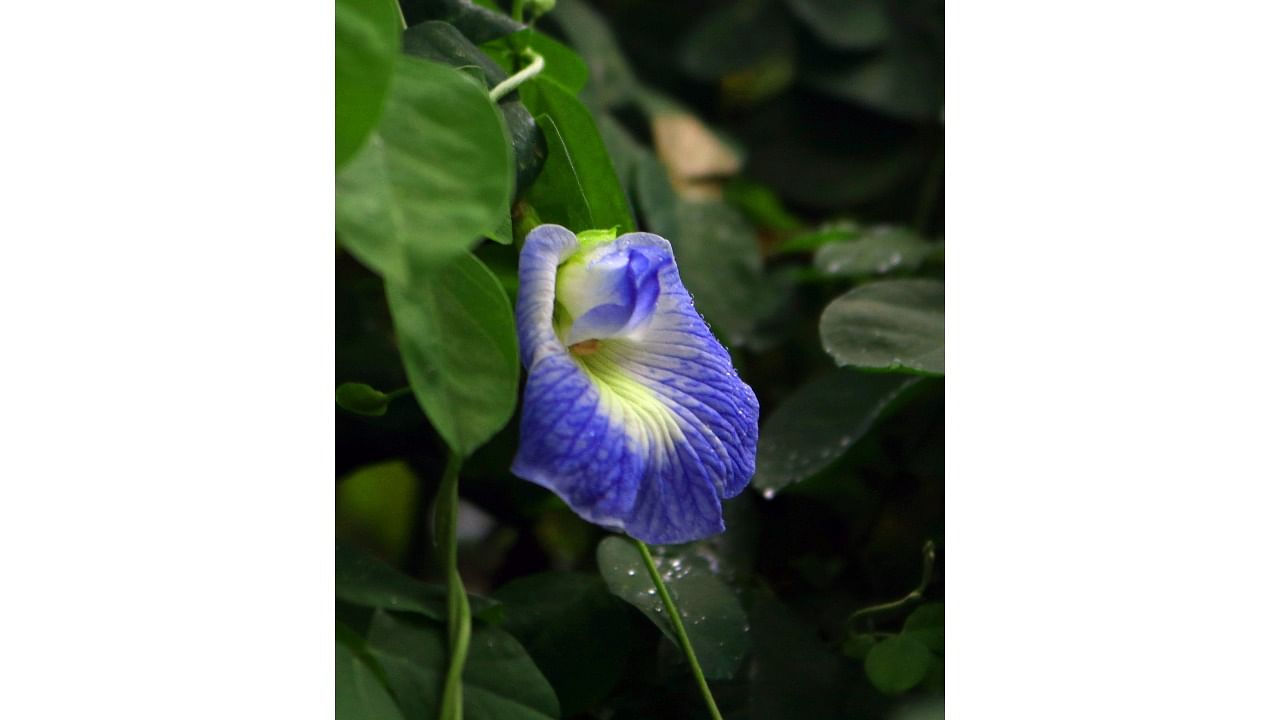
(889, 325)
(820, 421)
(712, 616)
(881, 251)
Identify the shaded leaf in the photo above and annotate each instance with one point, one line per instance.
(610, 79)
(720, 263)
(926, 625)
(442, 42)
(760, 204)
(478, 24)
(712, 615)
(622, 147)
(903, 79)
(654, 196)
(794, 675)
(856, 647)
(577, 633)
(816, 424)
(810, 241)
(458, 342)
(434, 177)
(845, 24)
(897, 664)
(360, 694)
(365, 46)
(586, 156)
(500, 681)
(361, 579)
(735, 37)
(362, 399)
(879, 251)
(558, 193)
(887, 325)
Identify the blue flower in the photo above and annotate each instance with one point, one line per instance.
(633, 413)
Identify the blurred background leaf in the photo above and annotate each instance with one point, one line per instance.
(367, 38)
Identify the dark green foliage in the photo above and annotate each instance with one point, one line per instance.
(577, 633)
(816, 255)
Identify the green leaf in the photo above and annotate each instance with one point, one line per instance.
(442, 42)
(713, 618)
(558, 194)
(811, 241)
(844, 24)
(926, 625)
(655, 196)
(897, 664)
(362, 399)
(903, 79)
(585, 156)
(760, 204)
(719, 261)
(367, 40)
(499, 681)
(793, 672)
(887, 325)
(623, 149)
(577, 633)
(856, 647)
(433, 178)
(880, 251)
(457, 339)
(736, 37)
(563, 65)
(361, 579)
(375, 507)
(360, 694)
(610, 79)
(816, 424)
(478, 24)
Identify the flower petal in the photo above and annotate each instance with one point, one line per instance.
(649, 429)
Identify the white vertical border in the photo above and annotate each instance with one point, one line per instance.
(167, 295)
(1111, 383)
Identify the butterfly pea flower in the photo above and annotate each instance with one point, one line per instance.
(633, 413)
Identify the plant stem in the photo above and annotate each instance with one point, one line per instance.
(459, 607)
(533, 68)
(674, 613)
(926, 573)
